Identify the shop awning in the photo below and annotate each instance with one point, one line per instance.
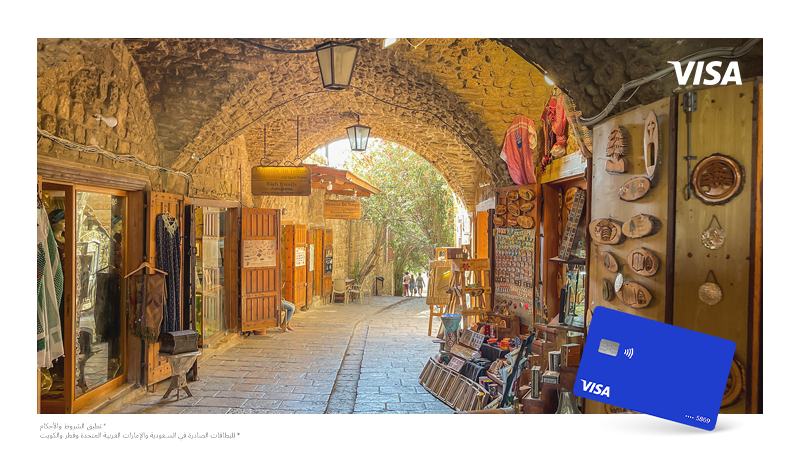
(340, 182)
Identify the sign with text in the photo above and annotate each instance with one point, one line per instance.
(281, 181)
(342, 209)
(299, 256)
(258, 253)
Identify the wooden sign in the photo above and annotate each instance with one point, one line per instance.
(634, 189)
(342, 209)
(280, 181)
(650, 146)
(634, 295)
(258, 253)
(643, 262)
(639, 226)
(606, 231)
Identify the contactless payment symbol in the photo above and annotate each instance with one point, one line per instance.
(639, 364)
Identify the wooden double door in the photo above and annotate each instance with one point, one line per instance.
(297, 284)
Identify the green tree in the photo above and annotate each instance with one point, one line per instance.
(415, 203)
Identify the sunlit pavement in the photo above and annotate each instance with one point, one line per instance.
(362, 358)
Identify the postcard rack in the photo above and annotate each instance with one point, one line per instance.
(454, 389)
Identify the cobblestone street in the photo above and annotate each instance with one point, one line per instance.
(340, 359)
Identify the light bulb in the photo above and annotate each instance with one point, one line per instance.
(549, 81)
(110, 121)
(329, 186)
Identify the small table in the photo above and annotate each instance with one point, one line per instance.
(180, 364)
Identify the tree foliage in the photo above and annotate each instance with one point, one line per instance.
(415, 203)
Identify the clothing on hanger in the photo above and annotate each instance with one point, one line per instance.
(168, 259)
(49, 292)
(519, 146)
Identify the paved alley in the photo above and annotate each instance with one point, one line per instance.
(340, 359)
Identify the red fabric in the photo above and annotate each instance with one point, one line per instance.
(554, 117)
(518, 147)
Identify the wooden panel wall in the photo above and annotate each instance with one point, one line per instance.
(157, 368)
(723, 123)
(260, 286)
(605, 202)
(300, 272)
(482, 235)
(287, 262)
(135, 254)
(231, 258)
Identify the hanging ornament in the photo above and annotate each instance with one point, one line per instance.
(714, 236)
(710, 292)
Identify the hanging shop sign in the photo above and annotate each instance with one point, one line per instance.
(717, 179)
(342, 209)
(281, 181)
(299, 256)
(258, 253)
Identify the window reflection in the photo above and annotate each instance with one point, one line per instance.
(54, 200)
(99, 263)
(209, 272)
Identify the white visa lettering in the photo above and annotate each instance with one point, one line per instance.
(707, 74)
(596, 388)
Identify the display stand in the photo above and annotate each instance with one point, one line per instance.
(469, 299)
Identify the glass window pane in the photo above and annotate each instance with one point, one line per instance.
(99, 230)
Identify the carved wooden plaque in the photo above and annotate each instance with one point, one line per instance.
(608, 291)
(717, 178)
(634, 189)
(639, 226)
(643, 262)
(735, 384)
(634, 295)
(606, 231)
(650, 147)
(610, 262)
(615, 151)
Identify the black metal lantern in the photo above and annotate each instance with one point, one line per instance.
(358, 135)
(336, 62)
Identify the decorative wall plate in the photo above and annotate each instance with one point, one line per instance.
(710, 292)
(512, 196)
(610, 262)
(500, 210)
(634, 295)
(634, 189)
(639, 226)
(511, 221)
(643, 262)
(608, 291)
(498, 222)
(615, 150)
(606, 231)
(735, 384)
(526, 194)
(513, 209)
(650, 147)
(717, 179)
(525, 207)
(619, 280)
(525, 222)
(714, 236)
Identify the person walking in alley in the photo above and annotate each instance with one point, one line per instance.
(420, 284)
(412, 285)
(406, 279)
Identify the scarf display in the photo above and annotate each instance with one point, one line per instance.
(554, 117)
(519, 146)
(168, 259)
(148, 295)
(49, 291)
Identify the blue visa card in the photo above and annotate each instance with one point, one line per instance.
(654, 368)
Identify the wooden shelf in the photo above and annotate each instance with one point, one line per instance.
(570, 261)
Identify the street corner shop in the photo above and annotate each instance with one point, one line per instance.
(557, 220)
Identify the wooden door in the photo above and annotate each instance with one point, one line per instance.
(315, 240)
(482, 235)
(300, 266)
(327, 263)
(260, 273)
(157, 367)
(287, 262)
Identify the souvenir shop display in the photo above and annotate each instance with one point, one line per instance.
(520, 148)
(606, 231)
(513, 278)
(650, 145)
(713, 237)
(717, 179)
(615, 151)
(639, 226)
(568, 241)
(515, 208)
(710, 292)
(643, 262)
(634, 189)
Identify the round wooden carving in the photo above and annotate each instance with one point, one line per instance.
(634, 295)
(500, 210)
(513, 209)
(526, 194)
(608, 291)
(609, 262)
(525, 222)
(512, 196)
(639, 226)
(735, 384)
(717, 179)
(499, 222)
(643, 262)
(710, 293)
(605, 231)
(634, 189)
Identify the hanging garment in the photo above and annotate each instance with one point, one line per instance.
(107, 305)
(554, 117)
(168, 259)
(148, 296)
(519, 146)
(49, 291)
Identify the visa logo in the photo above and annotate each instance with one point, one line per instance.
(710, 76)
(596, 388)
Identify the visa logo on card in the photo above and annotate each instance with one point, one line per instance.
(654, 368)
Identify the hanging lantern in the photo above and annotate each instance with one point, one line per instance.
(358, 135)
(336, 62)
